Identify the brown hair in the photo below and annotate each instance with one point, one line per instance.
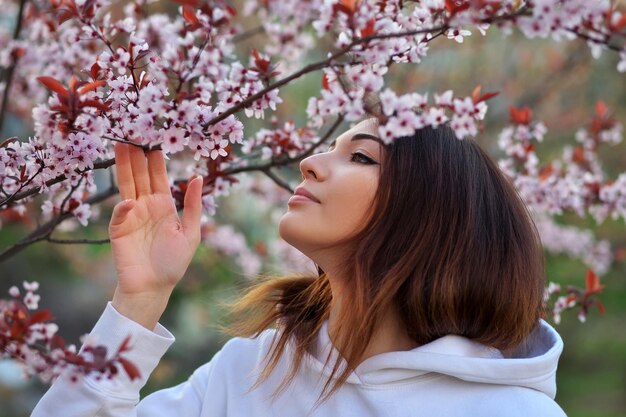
(449, 246)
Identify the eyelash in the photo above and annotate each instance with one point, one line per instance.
(368, 161)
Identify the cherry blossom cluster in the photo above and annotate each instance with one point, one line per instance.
(29, 336)
(573, 182)
(286, 141)
(574, 297)
(399, 116)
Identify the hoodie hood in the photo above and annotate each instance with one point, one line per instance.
(532, 364)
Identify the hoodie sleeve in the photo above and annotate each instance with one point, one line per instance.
(119, 397)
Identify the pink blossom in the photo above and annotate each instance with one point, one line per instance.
(14, 291)
(436, 116)
(173, 140)
(458, 34)
(31, 300)
(83, 213)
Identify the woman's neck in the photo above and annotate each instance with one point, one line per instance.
(388, 335)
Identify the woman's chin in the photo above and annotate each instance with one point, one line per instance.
(293, 231)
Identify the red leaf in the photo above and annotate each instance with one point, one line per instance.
(95, 69)
(94, 103)
(57, 342)
(369, 28)
(141, 55)
(601, 108)
(520, 116)
(487, 96)
(325, 85)
(545, 172)
(75, 84)
(593, 283)
(130, 368)
(74, 203)
(621, 24)
(349, 6)
(579, 155)
(17, 53)
(91, 86)
(476, 93)
(125, 345)
(17, 330)
(189, 14)
(41, 316)
(65, 15)
(455, 6)
(53, 85)
(477, 97)
(231, 10)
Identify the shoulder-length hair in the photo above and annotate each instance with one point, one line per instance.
(450, 247)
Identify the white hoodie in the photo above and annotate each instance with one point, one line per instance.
(451, 376)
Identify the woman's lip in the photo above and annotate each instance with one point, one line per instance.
(300, 199)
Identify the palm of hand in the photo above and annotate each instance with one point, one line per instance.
(150, 244)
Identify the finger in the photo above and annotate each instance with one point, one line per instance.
(158, 173)
(192, 209)
(123, 172)
(139, 165)
(120, 212)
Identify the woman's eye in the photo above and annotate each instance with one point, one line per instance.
(359, 157)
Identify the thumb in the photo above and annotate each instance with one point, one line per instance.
(120, 211)
(192, 209)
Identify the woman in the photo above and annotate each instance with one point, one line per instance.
(427, 303)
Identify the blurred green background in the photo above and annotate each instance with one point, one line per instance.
(560, 81)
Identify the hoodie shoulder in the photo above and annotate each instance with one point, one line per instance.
(519, 402)
(240, 355)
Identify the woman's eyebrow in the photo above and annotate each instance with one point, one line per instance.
(360, 136)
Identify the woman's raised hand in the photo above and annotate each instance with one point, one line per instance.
(152, 247)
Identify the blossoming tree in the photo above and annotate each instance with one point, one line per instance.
(94, 72)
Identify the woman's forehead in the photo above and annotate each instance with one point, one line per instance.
(367, 126)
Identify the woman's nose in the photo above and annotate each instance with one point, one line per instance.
(310, 167)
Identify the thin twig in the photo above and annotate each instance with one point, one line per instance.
(45, 230)
(248, 34)
(77, 241)
(17, 192)
(279, 181)
(11, 69)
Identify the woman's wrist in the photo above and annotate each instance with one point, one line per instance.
(143, 308)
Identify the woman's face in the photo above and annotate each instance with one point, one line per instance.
(344, 181)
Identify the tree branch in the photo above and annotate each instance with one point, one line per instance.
(279, 181)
